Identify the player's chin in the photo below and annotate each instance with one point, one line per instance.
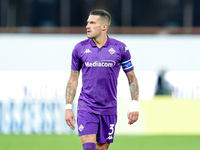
(89, 36)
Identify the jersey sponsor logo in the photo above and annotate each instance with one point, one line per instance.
(87, 51)
(126, 48)
(101, 63)
(127, 64)
(81, 127)
(112, 51)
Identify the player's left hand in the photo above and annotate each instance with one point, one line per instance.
(132, 117)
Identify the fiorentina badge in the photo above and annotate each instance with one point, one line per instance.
(112, 51)
(81, 127)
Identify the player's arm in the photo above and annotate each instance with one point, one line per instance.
(133, 113)
(70, 94)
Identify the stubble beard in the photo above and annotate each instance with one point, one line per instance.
(91, 37)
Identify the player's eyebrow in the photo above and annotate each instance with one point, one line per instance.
(90, 21)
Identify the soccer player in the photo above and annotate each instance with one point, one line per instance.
(100, 58)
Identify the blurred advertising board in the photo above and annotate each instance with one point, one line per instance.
(33, 101)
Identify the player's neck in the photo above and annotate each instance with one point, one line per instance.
(100, 41)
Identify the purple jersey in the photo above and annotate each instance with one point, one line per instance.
(100, 70)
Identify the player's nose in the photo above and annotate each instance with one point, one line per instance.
(87, 26)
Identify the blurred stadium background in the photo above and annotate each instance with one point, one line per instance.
(36, 41)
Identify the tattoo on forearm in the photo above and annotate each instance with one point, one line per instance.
(70, 93)
(71, 90)
(134, 89)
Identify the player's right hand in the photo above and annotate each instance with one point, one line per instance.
(69, 118)
(132, 117)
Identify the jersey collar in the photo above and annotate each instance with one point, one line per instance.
(105, 45)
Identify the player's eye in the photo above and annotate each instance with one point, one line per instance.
(90, 22)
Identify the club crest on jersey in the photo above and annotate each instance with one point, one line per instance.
(81, 127)
(112, 51)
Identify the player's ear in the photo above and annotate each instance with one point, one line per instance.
(104, 27)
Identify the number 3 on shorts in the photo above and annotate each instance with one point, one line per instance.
(112, 129)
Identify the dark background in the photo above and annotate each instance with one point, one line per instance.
(74, 13)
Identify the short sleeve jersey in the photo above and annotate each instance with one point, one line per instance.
(100, 70)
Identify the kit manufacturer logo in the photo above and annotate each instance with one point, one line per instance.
(126, 48)
(87, 51)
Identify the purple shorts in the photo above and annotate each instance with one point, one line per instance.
(101, 125)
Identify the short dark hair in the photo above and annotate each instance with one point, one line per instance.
(102, 13)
